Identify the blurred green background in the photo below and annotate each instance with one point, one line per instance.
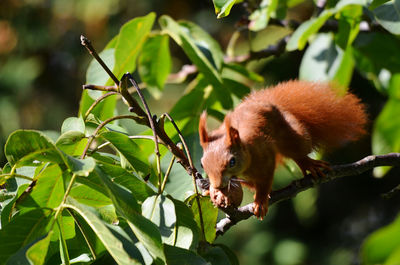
(42, 69)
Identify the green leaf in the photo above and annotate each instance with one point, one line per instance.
(161, 211)
(19, 234)
(33, 253)
(95, 73)
(237, 88)
(244, 72)
(72, 143)
(381, 50)
(88, 196)
(130, 41)
(209, 214)
(192, 103)
(260, 17)
(116, 246)
(375, 3)
(202, 50)
(48, 191)
(324, 61)
(135, 184)
(303, 33)
(28, 147)
(129, 150)
(388, 15)
(181, 256)
(223, 7)
(394, 257)
(300, 36)
(73, 124)
(80, 167)
(155, 63)
(37, 252)
(63, 244)
(124, 201)
(385, 133)
(187, 231)
(216, 255)
(381, 244)
(148, 234)
(231, 255)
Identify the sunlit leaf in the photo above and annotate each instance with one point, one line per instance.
(28, 147)
(130, 41)
(116, 245)
(324, 61)
(47, 192)
(260, 17)
(381, 244)
(88, 196)
(223, 7)
(72, 143)
(209, 215)
(161, 211)
(187, 231)
(388, 15)
(73, 124)
(155, 63)
(202, 50)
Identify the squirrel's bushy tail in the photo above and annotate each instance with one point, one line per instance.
(330, 118)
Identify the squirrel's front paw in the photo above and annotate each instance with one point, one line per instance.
(228, 196)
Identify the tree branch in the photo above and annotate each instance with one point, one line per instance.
(236, 215)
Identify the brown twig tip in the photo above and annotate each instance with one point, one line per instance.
(84, 41)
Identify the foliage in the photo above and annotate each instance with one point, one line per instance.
(70, 200)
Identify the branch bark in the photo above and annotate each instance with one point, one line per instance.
(233, 216)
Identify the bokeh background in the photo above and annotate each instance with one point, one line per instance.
(42, 69)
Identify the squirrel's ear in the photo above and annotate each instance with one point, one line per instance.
(203, 130)
(232, 135)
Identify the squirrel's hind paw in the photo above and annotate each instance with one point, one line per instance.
(315, 167)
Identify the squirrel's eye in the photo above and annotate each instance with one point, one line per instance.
(232, 162)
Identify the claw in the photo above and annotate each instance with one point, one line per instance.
(260, 209)
(315, 167)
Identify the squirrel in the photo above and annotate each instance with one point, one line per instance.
(289, 120)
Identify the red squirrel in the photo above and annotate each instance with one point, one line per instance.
(290, 120)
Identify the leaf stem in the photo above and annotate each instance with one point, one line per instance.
(98, 100)
(151, 121)
(194, 176)
(104, 123)
(147, 137)
(91, 248)
(171, 163)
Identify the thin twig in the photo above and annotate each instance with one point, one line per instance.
(86, 42)
(151, 121)
(97, 101)
(236, 215)
(101, 88)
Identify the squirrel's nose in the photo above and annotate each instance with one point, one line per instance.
(224, 182)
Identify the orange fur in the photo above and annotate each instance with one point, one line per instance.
(290, 119)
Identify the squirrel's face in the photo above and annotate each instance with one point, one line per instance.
(222, 162)
(224, 156)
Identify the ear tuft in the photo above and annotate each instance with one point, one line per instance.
(232, 135)
(204, 139)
